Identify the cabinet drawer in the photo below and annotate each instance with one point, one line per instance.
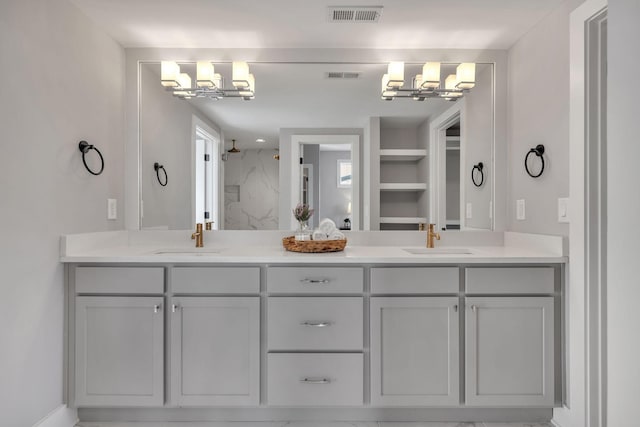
(314, 280)
(315, 323)
(119, 280)
(215, 280)
(510, 280)
(418, 280)
(315, 380)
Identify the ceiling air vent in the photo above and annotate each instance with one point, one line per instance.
(342, 75)
(354, 13)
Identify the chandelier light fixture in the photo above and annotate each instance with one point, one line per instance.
(427, 84)
(208, 83)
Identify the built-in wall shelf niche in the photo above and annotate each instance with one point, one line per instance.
(403, 186)
(403, 167)
(402, 155)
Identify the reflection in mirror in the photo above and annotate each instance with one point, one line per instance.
(248, 190)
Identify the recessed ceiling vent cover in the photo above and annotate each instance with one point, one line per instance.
(342, 75)
(354, 13)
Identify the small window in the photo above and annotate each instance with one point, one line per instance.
(344, 173)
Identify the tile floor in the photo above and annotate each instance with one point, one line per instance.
(312, 424)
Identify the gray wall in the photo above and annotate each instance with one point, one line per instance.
(538, 113)
(333, 200)
(256, 174)
(478, 131)
(165, 134)
(63, 81)
(623, 210)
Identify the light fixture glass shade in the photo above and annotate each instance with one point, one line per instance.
(184, 81)
(450, 84)
(431, 75)
(169, 72)
(205, 74)
(417, 81)
(386, 93)
(240, 74)
(396, 74)
(251, 89)
(466, 75)
(217, 80)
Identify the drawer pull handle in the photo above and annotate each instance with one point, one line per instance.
(322, 324)
(315, 380)
(316, 281)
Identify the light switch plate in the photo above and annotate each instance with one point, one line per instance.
(112, 209)
(563, 209)
(520, 213)
(469, 211)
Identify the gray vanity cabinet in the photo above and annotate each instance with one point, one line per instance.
(414, 351)
(215, 351)
(119, 349)
(509, 351)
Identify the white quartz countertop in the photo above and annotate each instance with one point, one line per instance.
(227, 248)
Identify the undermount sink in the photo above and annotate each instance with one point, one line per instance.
(189, 251)
(438, 251)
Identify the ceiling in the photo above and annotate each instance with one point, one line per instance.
(404, 24)
(299, 95)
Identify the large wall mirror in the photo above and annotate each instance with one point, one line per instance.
(413, 161)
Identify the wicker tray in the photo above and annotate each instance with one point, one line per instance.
(313, 246)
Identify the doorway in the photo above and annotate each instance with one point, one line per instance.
(206, 176)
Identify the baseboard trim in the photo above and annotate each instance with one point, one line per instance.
(62, 416)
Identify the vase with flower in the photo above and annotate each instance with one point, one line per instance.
(302, 213)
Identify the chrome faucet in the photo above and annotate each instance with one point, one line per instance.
(431, 235)
(197, 236)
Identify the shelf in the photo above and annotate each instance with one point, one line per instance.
(396, 155)
(402, 220)
(403, 186)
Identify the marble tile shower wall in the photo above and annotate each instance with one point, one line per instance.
(251, 191)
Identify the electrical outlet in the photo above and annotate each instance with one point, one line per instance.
(520, 210)
(112, 209)
(469, 211)
(563, 209)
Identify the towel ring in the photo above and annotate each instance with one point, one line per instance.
(157, 166)
(479, 168)
(85, 147)
(538, 151)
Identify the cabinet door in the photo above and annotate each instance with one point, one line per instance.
(119, 351)
(509, 346)
(414, 351)
(215, 351)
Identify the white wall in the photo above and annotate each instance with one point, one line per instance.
(255, 172)
(62, 81)
(538, 113)
(623, 151)
(167, 142)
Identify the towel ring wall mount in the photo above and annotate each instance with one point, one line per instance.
(538, 150)
(157, 166)
(84, 148)
(479, 167)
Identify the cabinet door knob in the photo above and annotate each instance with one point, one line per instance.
(455, 308)
(312, 380)
(315, 324)
(156, 308)
(474, 308)
(174, 308)
(315, 281)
